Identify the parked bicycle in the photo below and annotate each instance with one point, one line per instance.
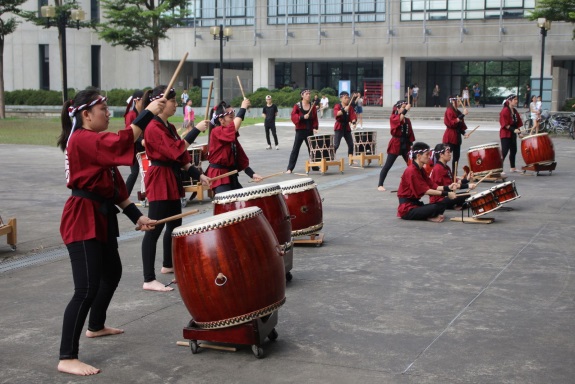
(556, 123)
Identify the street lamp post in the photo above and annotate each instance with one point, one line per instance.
(221, 33)
(62, 16)
(544, 25)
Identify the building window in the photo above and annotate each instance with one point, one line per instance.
(44, 55)
(415, 10)
(326, 11)
(95, 66)
(95, 10)
(206, 13)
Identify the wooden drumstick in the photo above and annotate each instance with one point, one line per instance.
(484, 177)
(241, 88)
(268, 176)
(223, 175)
(299, 174)
(469, 134)
(176, 73)
(455, 173)
(209, 100)
(175, 217)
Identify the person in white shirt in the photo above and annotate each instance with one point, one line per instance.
(323, 105)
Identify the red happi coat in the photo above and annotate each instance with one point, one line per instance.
(413, 185)
(506, 119)
(440, 175)
(454, 129)
(340, 120)
(91, 158)
(297, 114)
(394, 146)
(164, 144)
(220, 152)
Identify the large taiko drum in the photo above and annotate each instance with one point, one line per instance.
(304, 205)
(537, 149)
(483, 203)
(229, 268)
(485, 158)
(364, 142)
(321, 147)
(269, 198)
(505, 192)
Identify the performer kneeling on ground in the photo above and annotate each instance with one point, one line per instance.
(401, 139)
(225, 151)
(441, 175)
(415, 183)
(89, 225)
(345, 120)
(168, 154)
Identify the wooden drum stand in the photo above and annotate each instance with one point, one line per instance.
(9, 230)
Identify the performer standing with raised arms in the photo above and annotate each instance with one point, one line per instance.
(89, 226)
(345, 121)
(304, 116)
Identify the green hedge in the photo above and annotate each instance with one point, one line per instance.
(285, 97)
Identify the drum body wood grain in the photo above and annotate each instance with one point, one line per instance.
(537, 149)
(505, 192)
(485, 158)
(483, 203)
(229, 268)
(304, 206)
(269, 198)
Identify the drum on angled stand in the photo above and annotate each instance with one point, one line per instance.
(505, 192)
(305, 207)
(486, 158)
(538, 153)
(364, 148)
(322, 153)
(269, 198)
(483, 203)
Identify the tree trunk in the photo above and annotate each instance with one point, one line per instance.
(2, 100)
(156, 55)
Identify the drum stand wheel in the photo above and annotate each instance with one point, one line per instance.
(315, 239)
(540, 167)
(252, 333)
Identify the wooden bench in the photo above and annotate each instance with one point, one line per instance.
(9, 230)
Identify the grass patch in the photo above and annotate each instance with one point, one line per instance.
(45, 131)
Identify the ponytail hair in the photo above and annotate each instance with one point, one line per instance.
(131, 102)
(82, 101)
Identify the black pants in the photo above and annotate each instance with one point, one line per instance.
(271, 128)
(96, 270)
(509, 146)
(301, 136)
(159, 210)
(457, 202)
(387, 166)
(131, 180)
(425, 212)
(455, 155)
(348, 139)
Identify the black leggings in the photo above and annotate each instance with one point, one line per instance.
(348, 139)
(509, 145)
(301, 136)
(387, 166)
(159, 210)
(96, 270)
(455, 154)
(273, 130)
(425, 212)
(131, 180)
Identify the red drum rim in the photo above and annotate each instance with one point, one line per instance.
(217, 221)
(535, 135)
(249, 193)
(484, 146)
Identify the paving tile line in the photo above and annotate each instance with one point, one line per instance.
(479, 294)
(61, 252)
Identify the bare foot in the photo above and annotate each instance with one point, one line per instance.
(288, 171)
(156, 286)
(381, 188)
(106, 331)
(76, 367)
(165, 270)
(436, 219)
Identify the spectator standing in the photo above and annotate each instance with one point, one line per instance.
(323, 105)
(435, 96)
(269, 112)
(415, 93)
(476, 94)
(184, 97)
(527, 96)
(189, 116)
(359, 109)
(465, 96)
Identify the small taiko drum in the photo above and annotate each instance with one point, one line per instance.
(204, 148)
(505, 192)
(229, 268)
(321, 147)
(483, 203)
(364, 142)
(485, 158)
(269, 198)
(537, 149)
(304, 205)
(196, 155)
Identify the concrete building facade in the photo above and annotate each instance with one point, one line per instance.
(314, 44)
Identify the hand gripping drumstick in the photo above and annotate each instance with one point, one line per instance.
(224, 175)
(268, 176)
(484, 177)
(242, 89)
(175, 217)
(176, 73)
(209, 100)
(469, 134)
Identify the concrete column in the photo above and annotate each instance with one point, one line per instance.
(393, 79)
(264, 73)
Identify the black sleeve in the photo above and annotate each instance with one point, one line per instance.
(192, 135)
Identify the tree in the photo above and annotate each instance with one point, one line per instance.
(555, 10)
(136, 24)
(7, 26)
